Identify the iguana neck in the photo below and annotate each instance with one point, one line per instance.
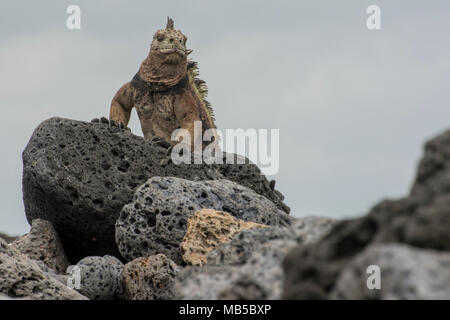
(138, 83)
(162, 69)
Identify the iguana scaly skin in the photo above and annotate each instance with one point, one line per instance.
(166, 91)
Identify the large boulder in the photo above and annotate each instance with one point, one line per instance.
(405, 273)
(249, 266)
(22, 277)
(156, 219)
(79, 175)
(421, 220)
(42, 243)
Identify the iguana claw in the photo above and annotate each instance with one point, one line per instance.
(110, 123)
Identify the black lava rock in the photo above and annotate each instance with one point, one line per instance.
(79, 175)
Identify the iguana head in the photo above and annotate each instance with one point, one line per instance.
(168, 42)
(166, 62)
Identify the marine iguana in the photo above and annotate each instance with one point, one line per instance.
(166, 91)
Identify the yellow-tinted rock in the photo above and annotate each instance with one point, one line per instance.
(206, 230)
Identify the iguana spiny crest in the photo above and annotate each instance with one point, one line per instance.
(166, 91)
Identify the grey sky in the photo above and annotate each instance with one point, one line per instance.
(353, 106)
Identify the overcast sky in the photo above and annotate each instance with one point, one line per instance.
(353, 106)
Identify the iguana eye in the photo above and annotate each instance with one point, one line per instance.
(160, 37)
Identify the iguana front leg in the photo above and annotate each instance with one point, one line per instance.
(122, 104)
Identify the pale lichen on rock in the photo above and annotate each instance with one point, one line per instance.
(206, 230)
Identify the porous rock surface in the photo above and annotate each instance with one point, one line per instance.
(22, 277)
(405, 273)
(249, 266)
(303, 231)
(156, 219)
(42, 243)
(421, 220)
(100, 277)
(61, 277)
(79, 175)
(149, 278)
(206, 230)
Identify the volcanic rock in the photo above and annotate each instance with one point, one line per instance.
(22, 277)
(79, 175)
(150, 278)
(421, 220)
(42, 243)
(156, 219)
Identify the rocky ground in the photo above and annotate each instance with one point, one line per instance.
(112, 218)
(409, 239)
